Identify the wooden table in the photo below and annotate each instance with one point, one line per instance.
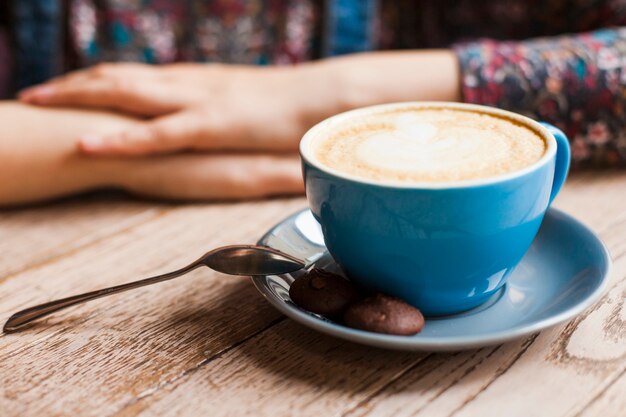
(209, 345)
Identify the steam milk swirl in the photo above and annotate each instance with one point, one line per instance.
(428, 145)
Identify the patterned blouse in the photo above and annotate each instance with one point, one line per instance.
(560, 61)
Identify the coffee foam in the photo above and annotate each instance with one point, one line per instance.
(428, 145)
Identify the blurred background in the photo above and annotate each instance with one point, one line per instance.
(259, 73)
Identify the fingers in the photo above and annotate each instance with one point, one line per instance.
(165, 134)
(210, 177)
(197, 129)
(127, 87)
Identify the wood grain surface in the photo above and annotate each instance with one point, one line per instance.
(208, 345)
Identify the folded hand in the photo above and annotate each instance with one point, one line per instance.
(208, 107)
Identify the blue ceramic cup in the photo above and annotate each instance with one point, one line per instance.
(444, 248)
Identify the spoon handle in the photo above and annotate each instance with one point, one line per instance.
(28, 315)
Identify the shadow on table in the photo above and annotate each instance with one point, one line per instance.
(282, 352)
(295, 354)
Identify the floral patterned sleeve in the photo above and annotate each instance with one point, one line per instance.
(576, 82)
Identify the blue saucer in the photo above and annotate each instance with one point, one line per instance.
(564, 272)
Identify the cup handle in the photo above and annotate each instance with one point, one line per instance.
(563, 155)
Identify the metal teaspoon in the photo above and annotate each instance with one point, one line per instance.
(233, 260)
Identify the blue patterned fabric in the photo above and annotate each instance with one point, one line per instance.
(37, 40)
(349, 26)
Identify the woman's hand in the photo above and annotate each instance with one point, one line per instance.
(38, 160)
(208, 176)
(192, 106)
(241, 108)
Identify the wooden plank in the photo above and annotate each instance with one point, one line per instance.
(611, 401)
(37, 235)
(286, 370)
(596, 198)
(440, 391)
(92, 359)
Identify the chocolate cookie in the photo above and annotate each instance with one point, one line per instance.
(323, 293)
(384, 314)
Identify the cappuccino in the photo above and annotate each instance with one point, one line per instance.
(428, 144)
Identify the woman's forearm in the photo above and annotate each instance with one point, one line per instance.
(38, 154)
(382, 77)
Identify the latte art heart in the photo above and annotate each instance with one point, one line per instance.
(431, 145)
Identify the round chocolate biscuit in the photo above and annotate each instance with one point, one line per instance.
(384, 314)
(323, 293)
